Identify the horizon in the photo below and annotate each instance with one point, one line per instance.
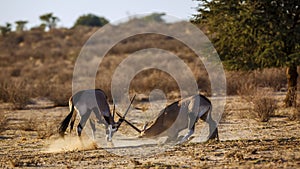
(68, 11)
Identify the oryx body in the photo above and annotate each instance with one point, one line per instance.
(85, 102)
(180, 115)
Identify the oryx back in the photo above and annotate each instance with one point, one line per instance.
(164, 120)
(92, 101)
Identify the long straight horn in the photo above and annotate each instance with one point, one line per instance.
(121, 119)
(130, 124)
(129, 106)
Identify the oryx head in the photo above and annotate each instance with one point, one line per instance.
(110, 132)
(112, 128)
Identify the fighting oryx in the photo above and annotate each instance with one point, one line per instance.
(180, 115)
(85, 102)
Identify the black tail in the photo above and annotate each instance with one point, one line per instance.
(65, 123)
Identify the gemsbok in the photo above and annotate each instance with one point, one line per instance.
(180, 115)
(85, 102)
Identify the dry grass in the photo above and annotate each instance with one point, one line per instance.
(239, 82)
(263, 105)
(44, 128)
(40, 64)
(15, 92)
(60, 94)
(3, 122)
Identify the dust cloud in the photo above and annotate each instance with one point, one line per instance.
(70, 143)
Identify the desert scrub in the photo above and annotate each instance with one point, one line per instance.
(263, 105)
(15, 92)
(43, 128)
(3, 122)
(238, 81)
(60, 94)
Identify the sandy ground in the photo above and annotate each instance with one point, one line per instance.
(28, 139)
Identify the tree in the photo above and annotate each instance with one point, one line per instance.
(49, 20)
(90, 20)
(4, 30)
(154, 17)
(20, 25)
(253, 34)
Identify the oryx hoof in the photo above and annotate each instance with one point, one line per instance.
(108, 139)
(182, 141)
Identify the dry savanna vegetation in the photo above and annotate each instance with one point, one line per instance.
(36, 83)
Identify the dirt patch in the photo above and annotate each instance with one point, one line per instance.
(69, 143)
(245, 143)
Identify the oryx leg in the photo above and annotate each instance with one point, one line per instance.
(109, 132)
(192, 119)
(93, 126)
(172, 135)
(105, 120)
(99, 117)
(213, 130)
(82, 122)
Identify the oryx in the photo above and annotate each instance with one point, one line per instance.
(85, 102)
(180, 115)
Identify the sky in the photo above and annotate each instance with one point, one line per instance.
(69, 10)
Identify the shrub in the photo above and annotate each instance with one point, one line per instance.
(44, 129)
(60, 95)
(239, 82)
(263, 106)
(15, 92)
(3, 122)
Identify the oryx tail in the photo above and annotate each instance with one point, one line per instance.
(65, 123)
